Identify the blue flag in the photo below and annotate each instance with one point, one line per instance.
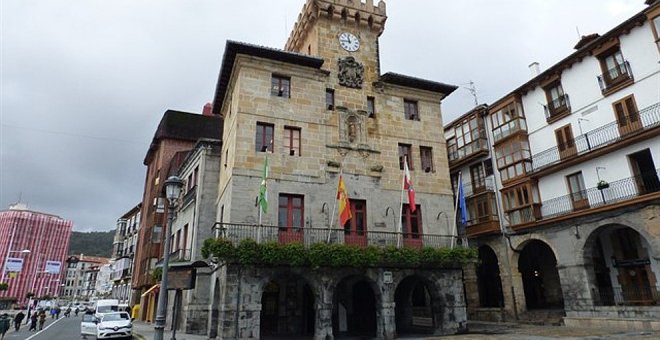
(461, 204)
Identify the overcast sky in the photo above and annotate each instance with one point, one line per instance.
(84, 83)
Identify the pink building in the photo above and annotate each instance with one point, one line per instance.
(33, 249)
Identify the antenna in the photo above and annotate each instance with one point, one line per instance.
(473, 91)
(578, 32)
(286, 27)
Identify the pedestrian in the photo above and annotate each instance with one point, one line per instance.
(33, 322)
(4, 324)
(67, 312)
(77, 311)
(57, 312)
(42, 319)
(18, 319)
(52, 313)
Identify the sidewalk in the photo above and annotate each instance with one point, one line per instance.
(145, 331)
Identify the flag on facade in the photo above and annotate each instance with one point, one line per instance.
(344, 203)
(461, 203)
(263, 188)
(407, 185)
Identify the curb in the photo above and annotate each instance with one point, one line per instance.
(139, 336)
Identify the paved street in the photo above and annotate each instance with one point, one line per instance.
(64, 328)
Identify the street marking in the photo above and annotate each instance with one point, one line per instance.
(50, 324)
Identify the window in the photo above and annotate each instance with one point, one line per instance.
(577, 190)
(405, 150)
(478, 178)
(481, 209)
(426, 153)
(280, 86)
(470, 137)
(355, 229)
(330, 99)
(290, 214)
(627, 116)
(513, 158)
(264, 138)
(616, 70)
(412, 222)
(155, 234)
(410, 109)
(507, 121)
(371, 107)
(565, 141)
(184, 240)
(656, 30)
(488, 167)
(519, 203)
(557, 100)
(292, 140)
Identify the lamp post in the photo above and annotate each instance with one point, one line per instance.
(4, 267)
(173, 187)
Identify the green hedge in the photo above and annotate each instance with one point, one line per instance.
(249, 252)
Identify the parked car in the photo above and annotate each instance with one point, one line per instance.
(88, 325)
(115, 325)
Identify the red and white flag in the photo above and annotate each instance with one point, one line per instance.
(408, 186)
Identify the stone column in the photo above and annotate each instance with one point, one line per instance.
(386, 328)
(323, 324)
(575, 287)
(517, 292)
(471, 290)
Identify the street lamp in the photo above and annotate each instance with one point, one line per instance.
(173, 187)
(4, 268)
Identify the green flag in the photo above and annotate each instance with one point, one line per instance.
(263, 188)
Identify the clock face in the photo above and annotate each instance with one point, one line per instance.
(349, 42)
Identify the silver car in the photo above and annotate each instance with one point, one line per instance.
(114, 326)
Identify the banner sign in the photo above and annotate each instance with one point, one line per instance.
(53, 267)
(14, 264)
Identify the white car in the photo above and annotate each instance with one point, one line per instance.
(114, 325)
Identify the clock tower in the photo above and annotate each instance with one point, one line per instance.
(345, 34)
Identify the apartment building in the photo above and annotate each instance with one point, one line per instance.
(123, 253)
(576, 159)
(81, 275)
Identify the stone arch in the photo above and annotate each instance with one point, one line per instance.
(356, 302)
(621, 265)
(417, 305)
(537, 264)
(215, 310)
(288, 300)
(489, 281)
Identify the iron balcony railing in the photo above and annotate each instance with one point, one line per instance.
(557, 106)
(308, 236)
(479, 144)
(613, 192)
(615, 131)
(472, 188)
(629, 296)
(617, 74)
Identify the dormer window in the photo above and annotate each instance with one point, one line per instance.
(280, 86)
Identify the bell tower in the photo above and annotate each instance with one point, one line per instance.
(344, 33)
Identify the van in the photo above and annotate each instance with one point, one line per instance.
(105, 306)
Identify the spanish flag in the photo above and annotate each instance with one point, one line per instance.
(344, 203)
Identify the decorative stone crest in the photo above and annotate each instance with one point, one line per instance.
(352, 129)
(351, 72)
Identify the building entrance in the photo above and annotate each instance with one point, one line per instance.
(354, 309)
(538, 267)
(287, 309)
(413, 311)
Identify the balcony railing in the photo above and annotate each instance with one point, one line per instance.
(614, 76)
(617, 191)
(479, 144)
(605, 135)
(557, 107)
(180, 255)
(629, 296)
(308, 236)
(470, 189)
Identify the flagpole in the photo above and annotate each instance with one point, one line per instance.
(403, 185)
(334, 206)
(453, 231)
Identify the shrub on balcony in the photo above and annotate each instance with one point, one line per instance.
(249, 252)
(602, 184)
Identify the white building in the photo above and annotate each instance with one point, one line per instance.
(123, 253)
(81, 274)
(577, 159)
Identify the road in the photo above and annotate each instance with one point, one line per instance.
(61, 329)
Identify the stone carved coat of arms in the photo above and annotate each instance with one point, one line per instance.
(351, 72)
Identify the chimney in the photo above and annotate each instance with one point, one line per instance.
(534, 69)
(207, 110)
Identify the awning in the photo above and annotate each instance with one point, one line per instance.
(150, 290)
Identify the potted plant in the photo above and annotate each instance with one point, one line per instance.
(602, 184)
(4, 286)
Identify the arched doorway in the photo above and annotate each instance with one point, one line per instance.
(413, 309)
(354, 308)
(215, 310)
(618, 259)
(488, 279)
(287, 308)
(538, 267)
